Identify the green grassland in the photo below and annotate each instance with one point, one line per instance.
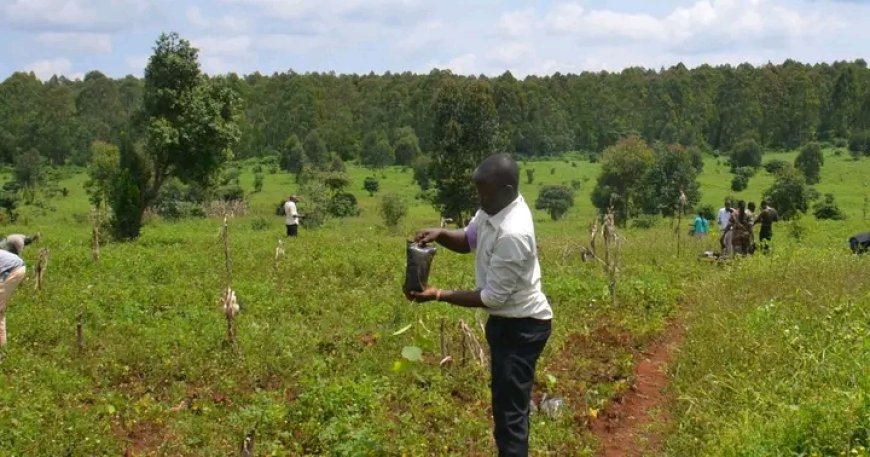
(775, 359)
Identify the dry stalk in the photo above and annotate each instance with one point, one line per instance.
(610, 252)
(471, 343)
(681, 205)
(41, 265)
(95, 236)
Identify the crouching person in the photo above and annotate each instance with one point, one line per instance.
(12, 271)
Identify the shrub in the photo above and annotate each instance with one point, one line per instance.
(231, 192)
(828, 209)
(810, 162)
(645, 221)
(393, 209)
(371, 185)
(789, 194)
(859, 143)
(576, 184)
(739, 182)
(776, 165)
(556, 200)
(259, 224)
(530, 175)
(258, 182)
(343, 204)
(840, 143)
(746, 153)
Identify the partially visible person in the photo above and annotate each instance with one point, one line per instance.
(12, 271)
(766, 219)
(860, 243)
(723, 218)
(739, 231)
(16, 242)
(291, 214)
(700, 226)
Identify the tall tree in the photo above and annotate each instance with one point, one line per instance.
(623, 168)
(191, 123)
(465, 132)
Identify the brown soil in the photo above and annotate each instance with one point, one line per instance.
(623, 428)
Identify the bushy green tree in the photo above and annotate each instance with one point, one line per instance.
(828, 209)
(810, 161)
(465, 132)
(422, 171)
(407, 147)
(191, 129)
(371, 185)
(293, 155)
(746, 153)
(556, 200)
(127, 198)
(315, 150)
(674, 170)
(623, 169)
(29, 169)
(776, 165)
(789, 194)
(393, 208)
(104, 164)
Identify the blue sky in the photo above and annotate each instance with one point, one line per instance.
(72, 37)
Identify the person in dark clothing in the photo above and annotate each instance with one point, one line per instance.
(766, 219)
(508, 287)
(860, 243)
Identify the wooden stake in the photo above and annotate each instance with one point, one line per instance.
(95, 236)
(80, 337)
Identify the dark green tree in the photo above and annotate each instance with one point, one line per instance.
(810, 161)
(556, 200)
(191, 121)
(623, 169)
(789, 193)
(465, 132)
(746, 153)
(371, 185)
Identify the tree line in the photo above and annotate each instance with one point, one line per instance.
(388, 119)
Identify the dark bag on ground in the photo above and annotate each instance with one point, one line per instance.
(417, 270)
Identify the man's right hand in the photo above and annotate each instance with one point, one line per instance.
(427, 236)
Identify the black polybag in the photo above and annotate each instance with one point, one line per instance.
(417, 270)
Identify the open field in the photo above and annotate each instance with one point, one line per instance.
(776, 357)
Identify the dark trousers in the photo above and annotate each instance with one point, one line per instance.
(764, 236)
(292, 230)
(514, 345)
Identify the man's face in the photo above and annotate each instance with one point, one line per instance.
(487, 196)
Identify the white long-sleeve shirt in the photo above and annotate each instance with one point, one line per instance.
(506, 264)
(291, 213)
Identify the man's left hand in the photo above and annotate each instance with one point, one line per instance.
(428, 294)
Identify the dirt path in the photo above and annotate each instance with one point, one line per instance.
(624, 427)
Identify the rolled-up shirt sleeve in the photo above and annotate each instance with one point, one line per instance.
(507, 265)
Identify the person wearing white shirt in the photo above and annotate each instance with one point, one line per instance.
(508, 287)
(291, 215)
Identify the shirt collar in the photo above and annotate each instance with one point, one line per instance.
(499, 217)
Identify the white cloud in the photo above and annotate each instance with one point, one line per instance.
(303, 9)
(70, 15)
(45, 69)
(88, 42)
(465, 64)
(705, 25)
(214, 45)
(517, 23)
(195, 17)
(512, 52)
(421, 37)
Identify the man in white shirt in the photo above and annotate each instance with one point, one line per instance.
(291, 215)
(508, 278)
(723, 218)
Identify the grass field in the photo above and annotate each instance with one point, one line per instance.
(776, 359)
